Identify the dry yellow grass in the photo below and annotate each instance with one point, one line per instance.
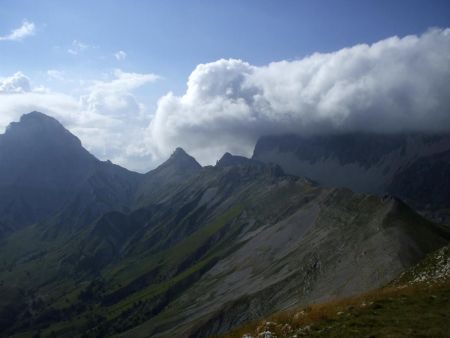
(288, 322)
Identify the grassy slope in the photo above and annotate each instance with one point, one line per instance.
(116, 313)
(417, 304)
(182, 264)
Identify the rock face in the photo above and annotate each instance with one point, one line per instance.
(434, 268)
(425, 182)
(411, 166)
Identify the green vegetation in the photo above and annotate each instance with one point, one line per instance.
(422, 310)
(416, 304)
(83, 312)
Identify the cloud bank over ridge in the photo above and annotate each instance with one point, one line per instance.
(394, 85)
(397, 84)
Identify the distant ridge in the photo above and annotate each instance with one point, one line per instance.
(412, 166)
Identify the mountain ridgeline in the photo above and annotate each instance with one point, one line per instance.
(90, 249)
(44, 170)
(412, 166)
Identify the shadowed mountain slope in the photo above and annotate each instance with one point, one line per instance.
(41, 167)
(47, 176)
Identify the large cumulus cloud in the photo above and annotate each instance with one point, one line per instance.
(17, 83)
(397, 84)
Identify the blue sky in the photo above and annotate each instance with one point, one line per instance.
(75, 45)
(172, 37)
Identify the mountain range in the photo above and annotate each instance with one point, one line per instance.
(90, 249)
(410, 166)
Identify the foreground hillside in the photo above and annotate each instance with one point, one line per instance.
(417, 304)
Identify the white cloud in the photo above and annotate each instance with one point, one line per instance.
(27, 29)
(124, 81)
(114, 97)
(107, 118)
(17, 83)
(397, 84)
(120, 55)
(122, 138)
(77, 47)
(55, 74)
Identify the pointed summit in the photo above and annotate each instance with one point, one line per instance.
(178, 168)
(180, 160)
(179, 152)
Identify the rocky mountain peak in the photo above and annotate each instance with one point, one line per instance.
(41, 167)
(38, 117)
(230, 160)
(36, 129)
(179, 153)
(35, 121)
(180, 160)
